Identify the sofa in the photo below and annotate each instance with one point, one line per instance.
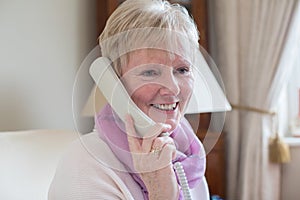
(28, 160)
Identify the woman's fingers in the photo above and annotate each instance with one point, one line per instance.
(143, 144)
(133, 141)
(166, 146)
(154, 132)
(159, 149)
(161, 142)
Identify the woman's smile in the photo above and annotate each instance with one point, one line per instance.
(166, 107)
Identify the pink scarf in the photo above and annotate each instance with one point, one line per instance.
(190, 151)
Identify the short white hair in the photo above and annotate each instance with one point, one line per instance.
(146, 23)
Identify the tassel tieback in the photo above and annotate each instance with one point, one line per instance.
(279, 151)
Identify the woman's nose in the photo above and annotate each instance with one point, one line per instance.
(169, 85)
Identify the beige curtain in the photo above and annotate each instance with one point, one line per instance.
(247, 43)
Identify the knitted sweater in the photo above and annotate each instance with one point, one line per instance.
(85, 173)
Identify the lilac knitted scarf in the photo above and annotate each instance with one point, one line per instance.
(190, 151)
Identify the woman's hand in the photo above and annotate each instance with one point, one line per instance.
(152, 159)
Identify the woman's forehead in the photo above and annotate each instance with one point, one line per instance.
(160, 56)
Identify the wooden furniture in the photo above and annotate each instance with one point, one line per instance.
(215, 161)
(215, 171)
(214, 144)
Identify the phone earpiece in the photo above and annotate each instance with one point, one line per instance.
(116, 95)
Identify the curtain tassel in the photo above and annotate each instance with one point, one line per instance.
(279, 151)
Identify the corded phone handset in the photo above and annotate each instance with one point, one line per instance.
(115, 93)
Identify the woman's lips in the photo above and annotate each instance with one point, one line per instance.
(166, 107)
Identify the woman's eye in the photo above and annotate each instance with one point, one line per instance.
(183, 70)
(149, 73)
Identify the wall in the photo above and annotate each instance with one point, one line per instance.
(42, 46)
(290, 172)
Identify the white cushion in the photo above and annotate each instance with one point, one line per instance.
(28, 162)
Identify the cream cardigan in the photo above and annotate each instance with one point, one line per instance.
(86, 173)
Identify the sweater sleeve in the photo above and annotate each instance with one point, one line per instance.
(79, 176)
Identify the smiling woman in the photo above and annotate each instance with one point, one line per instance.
(153, 47)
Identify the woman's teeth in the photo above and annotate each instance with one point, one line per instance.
(165, 107)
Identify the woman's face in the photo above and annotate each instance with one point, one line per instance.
(160, 84)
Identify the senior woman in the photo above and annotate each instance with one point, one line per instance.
(151, 46)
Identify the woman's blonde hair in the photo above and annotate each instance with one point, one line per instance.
(139, 24)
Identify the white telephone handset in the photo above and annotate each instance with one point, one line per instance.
(115, 93)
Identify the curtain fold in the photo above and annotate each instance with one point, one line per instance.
(248, 41)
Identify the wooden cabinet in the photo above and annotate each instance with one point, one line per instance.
(215, 161)
(215, 171)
